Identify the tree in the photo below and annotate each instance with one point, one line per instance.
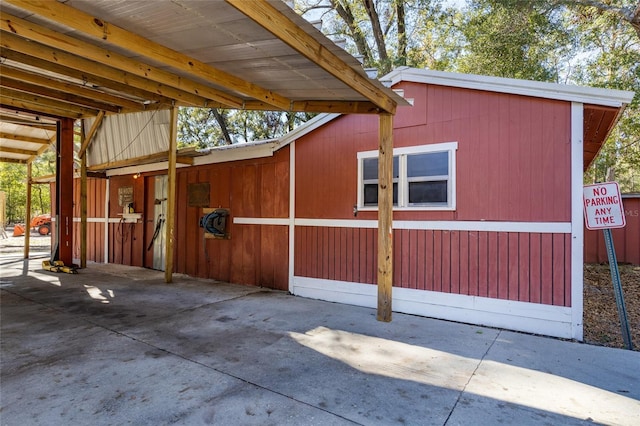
(386, 33)
(614, 62)
(208, 127)
(627, 11)
(515, 42)
(13, 177)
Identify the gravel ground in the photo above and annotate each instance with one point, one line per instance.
(37, 243)
(601, 321)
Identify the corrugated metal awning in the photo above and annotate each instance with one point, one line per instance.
(80, 57)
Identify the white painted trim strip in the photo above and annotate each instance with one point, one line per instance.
(106, 222)
(292, 212)
(261, 221)
(529, 227)
(338, 223)
(541, 227)
(520, 316)
(588, 95)
(577, 234)
(90, 219)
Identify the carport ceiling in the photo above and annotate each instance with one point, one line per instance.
(79, 57)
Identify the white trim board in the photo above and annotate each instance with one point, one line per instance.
(519, 316)
(577, 218)
(261, 221)
(454, 225)
(538, 89)
(90, 219)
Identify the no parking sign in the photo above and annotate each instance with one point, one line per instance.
(603, 206)
(603, 210)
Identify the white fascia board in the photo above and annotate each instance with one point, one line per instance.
(143, 168)
(538, 89)
(238, 152)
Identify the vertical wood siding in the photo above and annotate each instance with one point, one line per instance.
(96, 189)
(255, 254)
(513, 165)
(513, 157)
(626, 240)
(527, 267)
(126, 240)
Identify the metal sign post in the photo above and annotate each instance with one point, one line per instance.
(603, 210)
(617, 288)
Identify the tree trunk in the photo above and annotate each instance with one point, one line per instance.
(402, 33)
(345, 12)
(378, 36)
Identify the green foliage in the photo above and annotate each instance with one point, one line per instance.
(613, 62)
(421, 35)
(515, 42)
(13, 178)
(13, 182)
(200, 128)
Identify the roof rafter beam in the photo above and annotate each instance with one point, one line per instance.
(337, 107)
(10, 150)
(90, 80)
(96, 27)
(12, 160)
(18, 121)
(14, 25)
(15, 97)
(68, 87)
(55, 94)
(12, 42)
(272, 20)
(30, 139)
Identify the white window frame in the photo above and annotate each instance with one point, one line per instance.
(403, 181)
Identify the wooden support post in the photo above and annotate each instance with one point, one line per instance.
(92, 131)
(83, 206)
(385, 217)
(27, 214)
(64, 191)
(171, 195)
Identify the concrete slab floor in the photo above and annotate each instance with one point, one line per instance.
(115, 345)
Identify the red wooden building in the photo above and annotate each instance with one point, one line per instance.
(626, 240)
(487, 226)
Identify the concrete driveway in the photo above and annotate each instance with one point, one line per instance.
(115, 345)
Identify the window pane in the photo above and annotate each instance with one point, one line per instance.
(370, 168)
(371, 194)
(431, 164)
(428, 192)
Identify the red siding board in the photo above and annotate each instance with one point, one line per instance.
(546, 247)
(438, 254)
(465, 263)
(567, 270)
(454, 255)
(513, 266)
(626, 240)
(535, 278)
(524, 274)
(474, 269)
(558, 270)
(503, 265)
